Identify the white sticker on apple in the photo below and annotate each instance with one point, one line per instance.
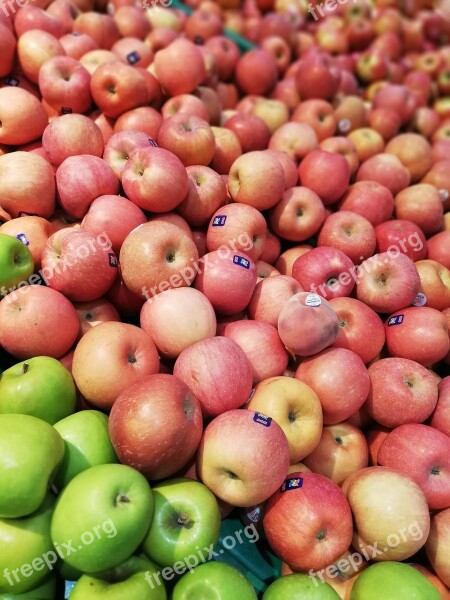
(313, 300)
(420, 300)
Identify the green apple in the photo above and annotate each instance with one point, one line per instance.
(105, 512)
(129, 580)
(186, 517)
(299, 586)
(41, 387)
(27, 554)
(87, 443)
(391, 580)
(45, 591)
(31, 450)
(16, 263)
(214, 580)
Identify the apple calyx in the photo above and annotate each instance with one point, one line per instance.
(121, 499)
(321, 535)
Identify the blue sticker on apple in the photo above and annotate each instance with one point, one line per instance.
(397, 320)
(133, 57)
(12, 81)
(23, 238)
(152, 142)
(262, 419)
(112, 259)
(294, 483)
(219, 221)
(241, 261)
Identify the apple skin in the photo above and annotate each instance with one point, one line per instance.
(269, 296)
(65, 84)
(31, 452)
(119, 147)
(87, 444)
(36, 230)
(422, 205)
(387, 170)
(298, 215)
(144, 119)
(76, 45)
(101, 27)
(296, 519)
(434, 283)
(385, 502)
(177, 78)
(40, 387)
(440, 418)
(360, 328)
(295, 407)
(8, 50)
(16, 262)
(371, 200)
(422, 335)
(224, 581)
(37, 321)
(414, 151)
(294, 138)
(404, 236)
(437, 545)
(230, 459)
(438, 248)
(186, 515)
(306, 326)
(331, 188)
(139, 428)
(402, 391)
(94, 493)
(189, 137)
(256, 72)
(124, 353)
(423, 454)
(252, 132)
(350, 233)
(387, 283)
(216, 358)
(23, 117)
(296, 585)
(207, 192)
(343, 389)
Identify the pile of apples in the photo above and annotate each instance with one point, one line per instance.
(225, 289)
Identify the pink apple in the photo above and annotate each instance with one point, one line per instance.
(256, 72)
(101, 27)
(228, 149)
(298, 215)
(77, 44)
(317, 78)
(179, 77)
(350, 233)
(93, 313)
(144, 119)
(65, 84)
(121, 145)
(387, 170)
(438, 543)
(185, 103)
(133, 51)
(296, 139)
(270, 296)
(253, 134)
(127, 303)
(332, 187)
(440, 419)
(8, 45)
(438, 248)
(71, 135)
(369, 199)
(189, 137)
(406, 237)
(414, 151)
(34, 47)
(421, 204)
(434, 283)
(207, 192)
(22, 116)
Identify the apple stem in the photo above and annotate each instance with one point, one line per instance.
(183, 519)
(25, 368)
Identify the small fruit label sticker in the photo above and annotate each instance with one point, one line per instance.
(420, 300)
(294, 483)
(65, 110)
(241, 261)
(23, 238)
(254, 514)
(397, 320)
(12, 81)
(219, 221)
(112, 259)
(443, 193)
(133, 57)
(313, 300)
(152, 142)
(262, 419)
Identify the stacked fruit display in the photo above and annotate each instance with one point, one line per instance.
(224, 290)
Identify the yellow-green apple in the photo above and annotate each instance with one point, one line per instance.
(65, 85)
(330, 188)
(177, 319)
(390, 513)
(114, 216)
(207, 192)
(360, 328)
(419, 333)
(273, 112)
(262, 346)
(307, 324)
(295, 407)
(325, 270)
(423, 454)
(367, 142)
(227, 149)
(231, 461)
(256, 72)
(233, 226)
(308, 521)
(188, 137)
(122, 352)
(388, 282)
(203, 366)
(269, 296)
(27, 182)
(93, 313)
(414, 151)
(397, 236)
(143, 118)
(77, 45)
(341, 451)
(71, 135)
(185, 103)
(101, 27)
(375, 436)
(223, 580)
(228, 279)
(78, 264)
(317, 77)
(257, 179)
(22, 115)
(87, 444)
(120, 146)
(339, 378)
(114, 499)
(350, 233)
(422, 205)
(8, 45)
(32, 451)
(139, 426)
(401, 391)
(387, 170)
(438, 543)
(132, 21)
(440, 419)
(298, 215)
(37, 321)
(34, 47)
(174, 77)
(286, 260)
(434, 283)
(369, 199)
(319, 114)
(157, 256)
(155, 179)
(251, 131)
(33, 232)
(297, 585)
(80, 180)
(134, 51)
(439, 248)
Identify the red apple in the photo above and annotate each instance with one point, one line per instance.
(296, 139)
(143, 119)
(121, 145)
(22, 116)
(330, 188)
(439, 248)
(101, 27)
(179, 77)
(399, 236)
(77, 44)
(421, 204)
(189, 137)
(369, 199)
(253, 134)
(440, 418)
(34, 47)
(317, 78)
(91, 314)
(65, 84)
(228, 149)
(437, 545)
(71, 135)
(132, 50)
(350, 233)
(387, 170)
(256, 72)
(319, 114)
